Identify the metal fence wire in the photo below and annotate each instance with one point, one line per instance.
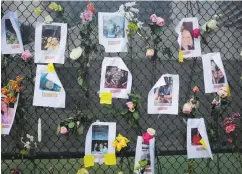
(64, 154)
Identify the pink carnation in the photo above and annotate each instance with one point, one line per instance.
(196, 33)
(86, 16)
(147, 137)
(160, 22)
(187, 108)
(26, 55)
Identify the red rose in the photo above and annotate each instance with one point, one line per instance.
(196, 33)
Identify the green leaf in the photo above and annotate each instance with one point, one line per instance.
(130, 121)
(58, 129)
(71, 125)
(197, 105)
(80, 130)
(24, 152)
(80, 80)
(136, 115)
(124, 111)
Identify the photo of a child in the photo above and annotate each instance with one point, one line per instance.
(51, 36)
(115, 78)
(113, 26)
(163, 94)
(187, 40)
(196, 137)
(11, 36)
(217, 74)
(99, 139)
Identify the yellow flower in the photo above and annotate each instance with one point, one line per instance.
(120, 142)
(38, 11)
(82, 171)
(55, 7)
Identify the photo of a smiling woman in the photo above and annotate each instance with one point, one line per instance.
(187, 41)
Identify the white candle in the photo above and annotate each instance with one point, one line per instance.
(39, 130)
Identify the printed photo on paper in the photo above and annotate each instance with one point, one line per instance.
(195, 137)
(113, 26)
(163, 94)
(116, 78)
(11, 36)
(100, 139)
(190, 45)
(47, 85)
(217, 74)
(51, 36)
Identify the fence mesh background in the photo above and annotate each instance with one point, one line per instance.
(61, 154)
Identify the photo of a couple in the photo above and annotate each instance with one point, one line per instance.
(217, 74)
(99, 139)
(113, 27)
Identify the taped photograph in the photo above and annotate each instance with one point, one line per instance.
(11, 36)
(48, 85)
(51, 36)
(196, 137)
(190, 45)
(99, 139)
(163, 94)
(116, 77)
(113, 26)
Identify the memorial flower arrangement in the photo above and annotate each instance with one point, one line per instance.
(130, 110)
(11, 90)
(29, 145)
(190, 107)
(70, 126)
(230, 124)
(220, 101)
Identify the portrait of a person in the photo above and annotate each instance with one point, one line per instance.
(196, 137)
(187, 41)
(163, 94)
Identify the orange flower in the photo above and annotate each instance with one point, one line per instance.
(4, 91)
(91, 8)
(195, 89)
(18, 78)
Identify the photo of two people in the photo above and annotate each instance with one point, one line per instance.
(163, 94)
(217, 74)
(11, 36)
(113, 27)
(115, 77)
(187, 40)
(99, 139)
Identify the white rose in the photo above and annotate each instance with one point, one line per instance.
(211, 24)
(151, 131)
(48, 19)
(76, 53)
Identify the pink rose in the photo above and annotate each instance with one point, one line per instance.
(153, 18)
(130, 105)
(160, 22)
(147, 137)
(215, 102)
(86, 16)
(150, 52)
(63, 130)
(187, 108)
(230, 140)
(26, 55)
(196, 33)
(230, 128)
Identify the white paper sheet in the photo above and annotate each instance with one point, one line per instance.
(99, 140)
(48, 91)
(50, 42)
(214, 73)
(7, 115)
(112, 32)
(145, 152)
(11, 35)
(163, 97)
(195, 149)
(190, 45)
(115, 77)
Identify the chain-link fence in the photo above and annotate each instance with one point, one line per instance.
(63, 154)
